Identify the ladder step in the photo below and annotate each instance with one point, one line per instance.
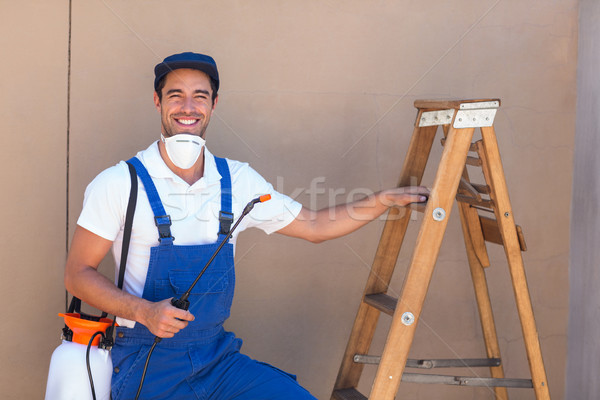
(472, 147)
(474, 201)
(348, 394)
(467, 380)
(382, 302)
(491, 232)
(474, 161)
(435, 363)
(474, 188)
(468, 187)
(485, 189)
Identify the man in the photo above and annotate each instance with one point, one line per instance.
(198, 191)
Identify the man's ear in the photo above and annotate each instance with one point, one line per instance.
(215, 101)
(156, 102)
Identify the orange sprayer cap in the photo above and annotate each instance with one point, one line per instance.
(84, 329)
(265, 197)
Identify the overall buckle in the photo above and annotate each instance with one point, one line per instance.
(163, 223)
(225, 219)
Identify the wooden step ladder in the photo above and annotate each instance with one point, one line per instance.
(459, 119)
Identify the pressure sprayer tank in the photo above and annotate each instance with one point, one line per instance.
(68, 376)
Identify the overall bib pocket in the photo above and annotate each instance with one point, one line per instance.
(209, 295)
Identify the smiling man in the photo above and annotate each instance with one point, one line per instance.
(185, 206)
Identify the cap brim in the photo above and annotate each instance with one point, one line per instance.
(162, 69)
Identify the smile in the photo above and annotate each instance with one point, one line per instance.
(187, 121)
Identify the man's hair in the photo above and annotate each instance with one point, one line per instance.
(161, 84)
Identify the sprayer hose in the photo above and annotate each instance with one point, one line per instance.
(156, 340)
(87, 362)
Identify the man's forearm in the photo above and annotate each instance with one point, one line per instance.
(83, 280)
(340, 220)
(98, 291)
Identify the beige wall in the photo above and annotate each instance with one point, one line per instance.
(313, 93)
(33, 123)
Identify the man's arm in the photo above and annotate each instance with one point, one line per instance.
(336, 221)
(83, 280)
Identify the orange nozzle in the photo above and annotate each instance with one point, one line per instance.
(84, 329)
(265, 197)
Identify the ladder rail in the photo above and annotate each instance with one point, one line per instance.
(400, 336)
(471, 228)
(385, 259)
(494, 175)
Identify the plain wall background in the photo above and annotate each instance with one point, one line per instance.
(33, 121)
(317, 96)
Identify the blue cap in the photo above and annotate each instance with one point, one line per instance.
(191, 60)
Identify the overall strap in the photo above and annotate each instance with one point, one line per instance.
(162, 220)
(131, 203)
(109, 338)
(226, 213)
(128, 224)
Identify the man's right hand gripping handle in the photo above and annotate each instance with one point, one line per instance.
(165, 319)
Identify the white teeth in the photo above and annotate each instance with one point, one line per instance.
(186, 121)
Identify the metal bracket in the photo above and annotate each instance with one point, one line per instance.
(439, 117)
(474, 118)
(467, 380)
(434, 363)
(476, 115)
(479, 105)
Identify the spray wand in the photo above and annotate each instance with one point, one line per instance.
(183, 303)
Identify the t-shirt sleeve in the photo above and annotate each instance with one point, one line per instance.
(271, 215)
(105, 202)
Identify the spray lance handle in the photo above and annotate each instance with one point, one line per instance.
(181, 304)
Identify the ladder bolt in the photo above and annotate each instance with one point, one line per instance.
(506, 214)
(439, 214)
(408, 318)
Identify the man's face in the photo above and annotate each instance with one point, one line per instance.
(186, 104)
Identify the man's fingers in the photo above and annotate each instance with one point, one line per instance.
(415, 189)
(169, 326)
(166, 320)
(415, 198)
(183, 315)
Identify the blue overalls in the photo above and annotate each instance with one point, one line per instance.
(201, 361)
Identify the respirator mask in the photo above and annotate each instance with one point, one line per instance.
(183, 149)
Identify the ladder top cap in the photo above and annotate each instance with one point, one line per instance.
(455, 104)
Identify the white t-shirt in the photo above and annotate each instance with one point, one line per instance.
(194, 209)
